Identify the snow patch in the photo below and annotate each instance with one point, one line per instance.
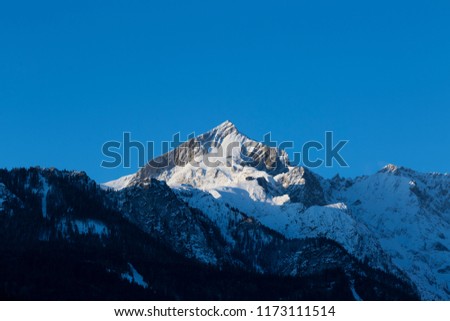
(118, 184)
(133, 276)
(83, 227)
(355, 294)
(281, 200)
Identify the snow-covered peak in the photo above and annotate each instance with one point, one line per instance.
(225, 128)
(221, 152)
(390, 168)
(221, 135)
(224, 133)
(398, 170)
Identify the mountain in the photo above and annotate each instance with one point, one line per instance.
(395, 221)
(409, 214)
(64, 237)
(224, 217)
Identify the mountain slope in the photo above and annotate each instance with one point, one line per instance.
(409, 213)
(62, 237)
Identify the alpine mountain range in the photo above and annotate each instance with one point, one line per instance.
(245, 229)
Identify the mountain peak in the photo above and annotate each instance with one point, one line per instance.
(390, 168)
(219, 133)
(398, 170)
(227, 123)
(226, 126)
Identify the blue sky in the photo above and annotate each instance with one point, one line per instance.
(74, 74)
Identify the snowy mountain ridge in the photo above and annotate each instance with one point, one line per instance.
(397, 220)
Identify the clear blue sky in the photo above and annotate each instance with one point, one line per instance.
(74, 74)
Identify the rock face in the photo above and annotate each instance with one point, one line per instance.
(397, 220)
(157, 211)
